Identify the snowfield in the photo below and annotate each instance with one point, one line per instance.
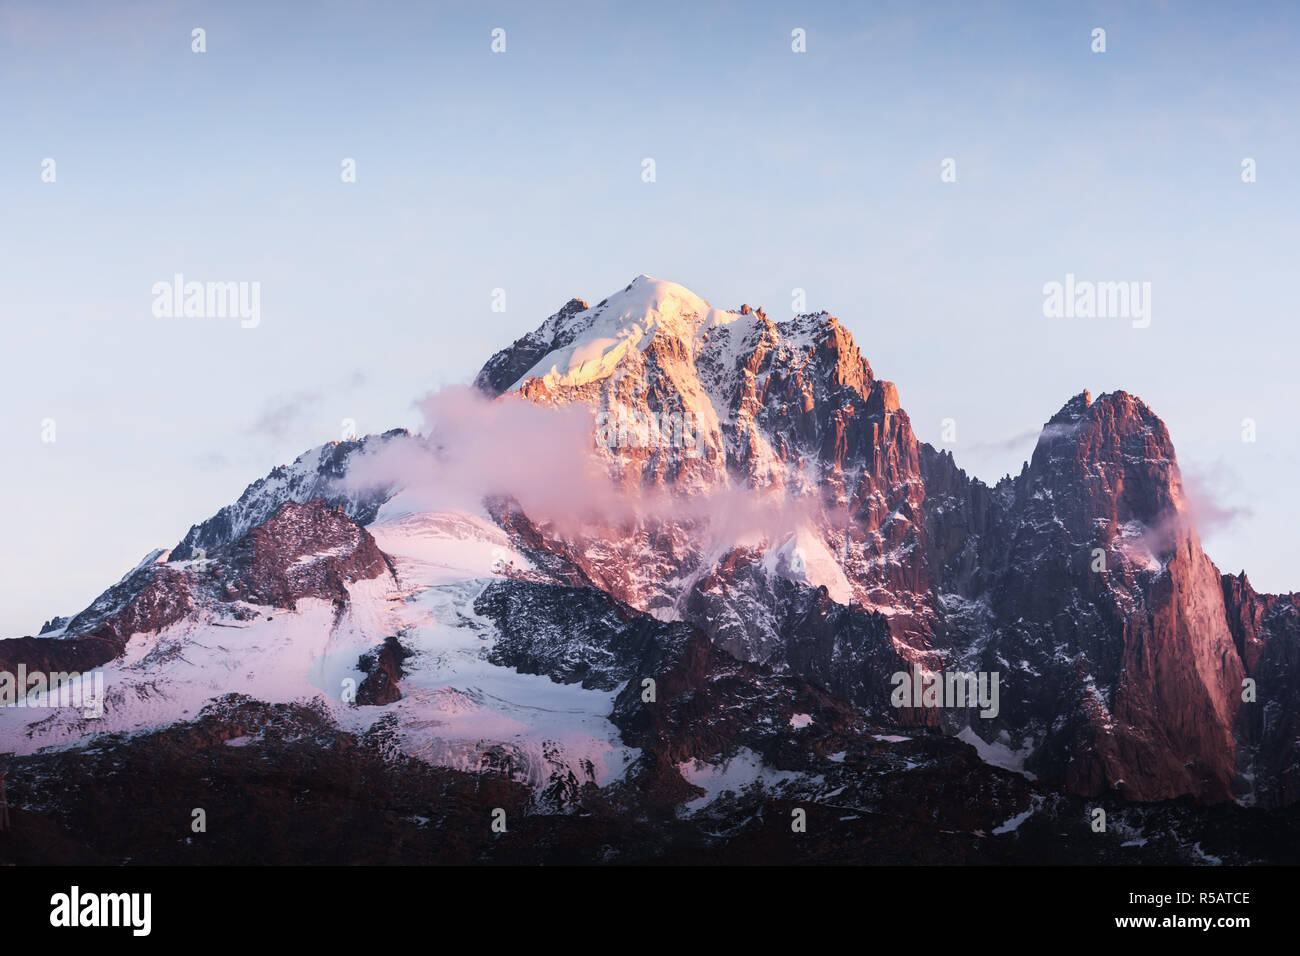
(456, 706)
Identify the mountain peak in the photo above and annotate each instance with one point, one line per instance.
(1073, 410)
(645, 293)
(587, 346)
(581, 343)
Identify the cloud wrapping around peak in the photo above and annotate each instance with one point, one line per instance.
(546, 459)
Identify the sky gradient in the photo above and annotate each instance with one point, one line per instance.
(521, 171)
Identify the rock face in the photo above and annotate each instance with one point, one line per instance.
(300, 551)
(1104, 571)
(1266, 631)
(303, 550)
(1080, 581)
(507, 365)
(706, 403)
(681, 698)
(383, 669)
(314, 474)
(588, 638)
(148, 599)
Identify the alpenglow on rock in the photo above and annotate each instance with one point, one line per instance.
(713, 635)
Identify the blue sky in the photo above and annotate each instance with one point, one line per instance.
(522, 171)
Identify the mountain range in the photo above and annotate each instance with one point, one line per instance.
(648, 588)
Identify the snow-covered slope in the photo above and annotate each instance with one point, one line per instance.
(605, 334)
(456, 709)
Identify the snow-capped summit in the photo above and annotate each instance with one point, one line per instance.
(599, 337)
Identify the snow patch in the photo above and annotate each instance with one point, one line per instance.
(804, 558)
(734, 775)
(998, 754)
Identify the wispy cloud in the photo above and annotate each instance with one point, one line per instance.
(546, 458)
(284, 415)
(1025, 439)
(1208, 490)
